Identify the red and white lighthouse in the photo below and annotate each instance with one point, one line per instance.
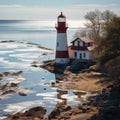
(62, 56)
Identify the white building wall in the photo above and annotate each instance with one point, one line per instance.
(78, 52)
(80, 43)
(75, 43)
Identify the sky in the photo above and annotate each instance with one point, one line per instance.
(50, 9)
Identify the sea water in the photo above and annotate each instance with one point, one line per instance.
(18, 56)
(41, 32)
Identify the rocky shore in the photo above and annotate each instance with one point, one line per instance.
(102, 101)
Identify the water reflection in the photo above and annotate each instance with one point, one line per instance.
(68, 97)
(59, 96)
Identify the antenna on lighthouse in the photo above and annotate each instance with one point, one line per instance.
(61, 56)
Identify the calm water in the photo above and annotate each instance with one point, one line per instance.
(41, 32)
(19, 55)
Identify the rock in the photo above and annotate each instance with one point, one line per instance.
(45, 53)
(36, 112)
(22, 94)
(53, 84)
(16, 73)
(13, 85)
(6, 73)
(67, 108)
(54, 114)
(34, 65)
(8, 92)
(3, 87)
(84, 108)
(1, 75)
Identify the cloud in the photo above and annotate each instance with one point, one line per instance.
(80, 10)
(75, 12)
(25, 12)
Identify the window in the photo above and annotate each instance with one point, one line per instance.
(75, 54)
(83, 44)
(84, 54)
(57, 44)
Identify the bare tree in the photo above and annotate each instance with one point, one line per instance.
(107, 16)
(80, 33)
(96, 22)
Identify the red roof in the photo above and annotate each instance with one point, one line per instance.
(84, 39)
(84, 48)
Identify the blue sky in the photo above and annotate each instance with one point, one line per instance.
(49, 9)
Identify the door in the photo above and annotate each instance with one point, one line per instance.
(80, 55)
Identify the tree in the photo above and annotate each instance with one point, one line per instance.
(80, 33)
(107, 16)
(96, 22)
(110, 43)
(84, 32)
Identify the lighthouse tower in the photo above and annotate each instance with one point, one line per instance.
(62, 56)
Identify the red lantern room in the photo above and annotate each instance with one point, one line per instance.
(61, 25)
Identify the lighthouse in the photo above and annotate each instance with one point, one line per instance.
(61, 56)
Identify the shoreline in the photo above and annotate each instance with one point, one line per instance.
(99, 95)
(86, 82)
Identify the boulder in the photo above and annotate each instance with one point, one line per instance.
(54, 114)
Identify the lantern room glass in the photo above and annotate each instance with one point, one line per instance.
(61, 20)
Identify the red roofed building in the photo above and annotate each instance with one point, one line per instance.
(81, 48)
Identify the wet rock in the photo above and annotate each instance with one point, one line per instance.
(8, 92)
(16, 73)
(14, 85)
(67, 108)
(22, 94)
(45, 53)
(6, 73)
(34, 65)
(84, 109)
(53, 84)
(1, 75)
(54, 114)
(36, 112)
(3, 87)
